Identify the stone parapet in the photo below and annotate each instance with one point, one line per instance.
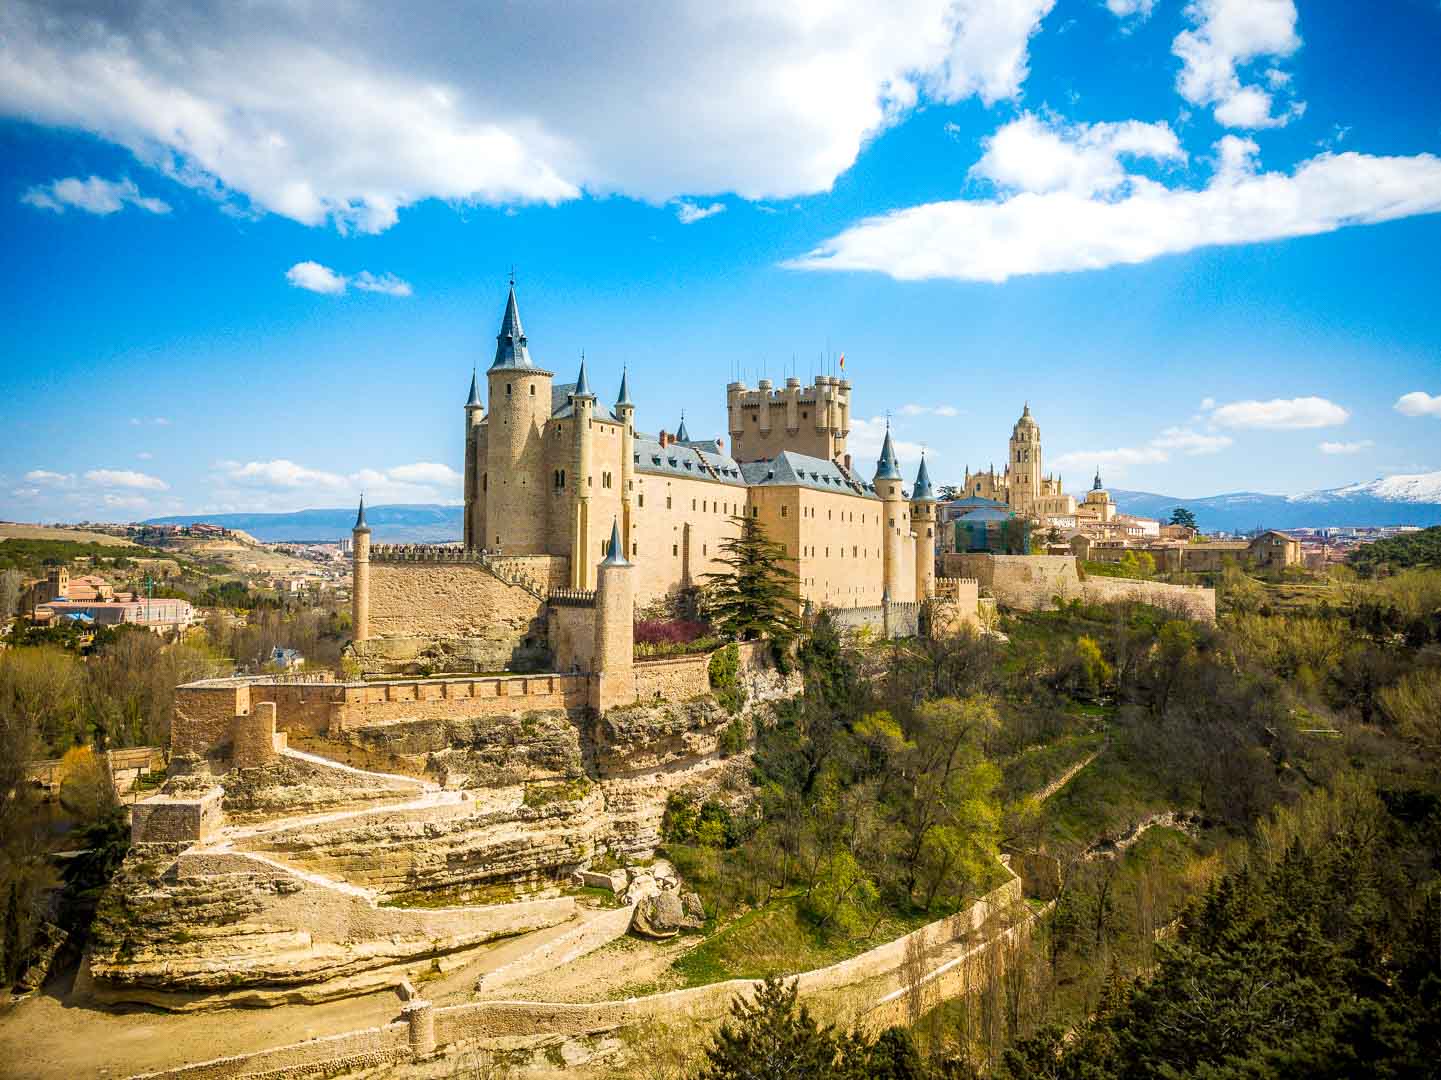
(177, 819)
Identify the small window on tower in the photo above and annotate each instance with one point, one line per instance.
(507, 389)
(532, 389)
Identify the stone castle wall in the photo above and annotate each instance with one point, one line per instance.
(1035, 582)
(673, 679)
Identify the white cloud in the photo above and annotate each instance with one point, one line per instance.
(913, 409)
(1418, 403)
(1208, 403)
(426, 472)
(25, 493)
(126, 478)
(1346, 447)
(1124, 9)
(1063, 230)
(388, 284)
(161, 421)
(50, 479)
(1030, 154)
(280, 473)
(864, 446)
(144, 455)
(1192, 443)
(124, 502)
(1280, 414)
(688, 213)
(1225, 36)
(316, 278)
(94, 196)
(1126, 455)
(322, 279)
(350, 120)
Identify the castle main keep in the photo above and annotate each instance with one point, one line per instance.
(556, 482)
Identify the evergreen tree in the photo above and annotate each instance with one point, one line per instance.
(770, 1038)
(754, 597)
(1182, 516)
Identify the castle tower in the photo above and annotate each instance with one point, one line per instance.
(473, 525)
(582, 453)
(1025, 462)
(512, 483)
(812, 420)
(360, 577)
(625, 413)
(614, 664)
(888, 487)
(923, 518)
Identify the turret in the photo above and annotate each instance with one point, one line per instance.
(583, 441)
(360, 576)
(896, 516)
(625, 413)
(512, 483)
(473, 523)
(613, 682)
(923, 520)
(681, 434)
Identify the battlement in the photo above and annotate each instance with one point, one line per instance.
(572, 597)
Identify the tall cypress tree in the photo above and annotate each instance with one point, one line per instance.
(754, 597)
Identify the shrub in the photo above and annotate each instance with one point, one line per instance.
(725, 678)
(668, 631)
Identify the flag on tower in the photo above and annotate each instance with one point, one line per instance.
(843, 361)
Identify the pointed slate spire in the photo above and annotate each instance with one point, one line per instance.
(510, 349)
(360, 525)
(1097, 485)
(615, 553)
(681, 435)
(474, 400)
(923, 492)
(582, 384)
(624, 397)
(887, 468)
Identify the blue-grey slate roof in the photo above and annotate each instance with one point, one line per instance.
(677, 460)
(790, 468)
(562, 407)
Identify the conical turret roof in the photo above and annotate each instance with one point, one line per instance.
(582, 384)
(360, 525)
(681, 435)
(510, 348)
(923, 492)
(1096, 486)
(623, 398)
(474, 399)
(887, 468)
(615, 552)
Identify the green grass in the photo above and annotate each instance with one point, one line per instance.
(1103, 799)
(779, 939)
(1031, 770)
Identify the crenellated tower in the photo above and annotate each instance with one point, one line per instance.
(512, 481)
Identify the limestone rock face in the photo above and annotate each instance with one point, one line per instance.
(292, 785)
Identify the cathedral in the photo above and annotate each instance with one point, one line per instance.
(1021, 485)
(550, 471)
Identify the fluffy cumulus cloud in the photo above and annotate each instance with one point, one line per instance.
(1224, 37)
(314, 277)
(1419, 403)
(1067, 212)
(912, 409)
(1157, 451)
(1125, 9)
(1280, 414)
(688, 213)
(126, 478)
(48, 478)
(284, 484)
(93, 195)
(349, 120)
(1346, 447)
(1032, 154)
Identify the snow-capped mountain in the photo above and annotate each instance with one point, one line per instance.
(1413, 499)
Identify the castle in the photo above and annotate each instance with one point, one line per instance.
(548, 469)
(1021, 485)
(555, 483)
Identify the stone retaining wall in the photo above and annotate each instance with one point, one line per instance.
(677, 678)
(1035, 582)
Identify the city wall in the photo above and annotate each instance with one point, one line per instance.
(1035, 582)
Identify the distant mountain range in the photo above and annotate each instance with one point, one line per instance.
(1391, 500)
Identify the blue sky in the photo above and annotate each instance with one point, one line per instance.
(1199, 238)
